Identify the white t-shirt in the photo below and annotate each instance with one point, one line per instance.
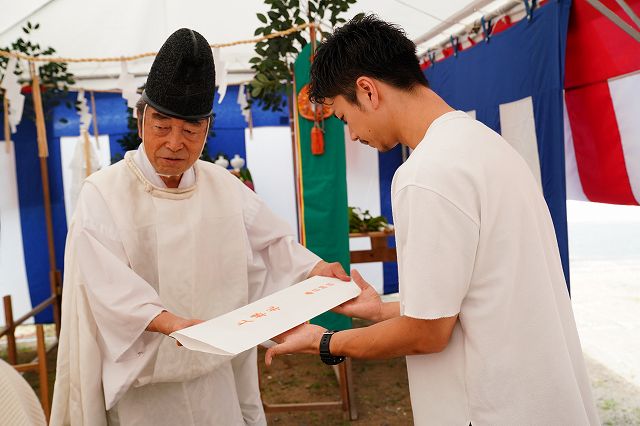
(475, 238)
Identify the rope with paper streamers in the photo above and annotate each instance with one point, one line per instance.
(22, 56)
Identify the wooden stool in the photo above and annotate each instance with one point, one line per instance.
(39, 363)
(344, 374)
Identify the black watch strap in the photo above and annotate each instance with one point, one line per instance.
(325, 353)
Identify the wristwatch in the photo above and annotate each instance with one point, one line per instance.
(325, 353)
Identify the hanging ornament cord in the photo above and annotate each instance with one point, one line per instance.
(8, 54)
(317, 131)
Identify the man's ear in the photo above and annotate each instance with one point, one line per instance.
(140, 128)
(367, 91)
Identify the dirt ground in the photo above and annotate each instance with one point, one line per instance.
(381, 389)
(382, 393)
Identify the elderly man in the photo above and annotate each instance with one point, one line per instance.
(159, 242)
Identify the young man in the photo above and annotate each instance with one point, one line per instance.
(158, 242)
(484, 316)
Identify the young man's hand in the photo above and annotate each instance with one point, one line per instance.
(366, 306)
(304, 339)
(331, 270)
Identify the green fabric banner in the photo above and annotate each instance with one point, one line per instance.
(324, 188)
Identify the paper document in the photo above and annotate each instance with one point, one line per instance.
(246, 327)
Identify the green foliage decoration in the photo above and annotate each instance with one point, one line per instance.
(55, 77)
(363, 222)
(272, 82)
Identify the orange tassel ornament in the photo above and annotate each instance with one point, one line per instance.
(317, 141)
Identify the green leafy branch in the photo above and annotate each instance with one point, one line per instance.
(274, 57)
(54, 76)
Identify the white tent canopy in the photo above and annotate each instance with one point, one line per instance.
(81, 29)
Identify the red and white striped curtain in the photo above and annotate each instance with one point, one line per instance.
(602, 106)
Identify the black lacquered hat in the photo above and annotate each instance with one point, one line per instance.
(181, 82)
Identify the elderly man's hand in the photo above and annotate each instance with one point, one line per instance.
(166, 323)
(332, 270)
(304, 339)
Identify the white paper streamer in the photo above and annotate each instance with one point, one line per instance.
(242, 101)
(127, 83)
(221, 74)
(78, 166)
(13, 93)
(83, 112)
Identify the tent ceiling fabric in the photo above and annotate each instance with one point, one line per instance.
(13, 12)
(79, 29)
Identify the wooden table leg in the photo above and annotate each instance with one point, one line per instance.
(12, 353)
(42, 370)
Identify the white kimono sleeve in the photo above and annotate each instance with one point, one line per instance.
(277, 260)
(122, 303)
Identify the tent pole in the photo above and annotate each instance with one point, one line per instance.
(295, 152)
(43, 153)
(94, 115)
(453, 19)
(608, 13)
(7, 129)
(87, 152)
(461, 15)
(623, 4)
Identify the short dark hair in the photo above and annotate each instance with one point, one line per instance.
(366, 46)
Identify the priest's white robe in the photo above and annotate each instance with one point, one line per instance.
(136, 248)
